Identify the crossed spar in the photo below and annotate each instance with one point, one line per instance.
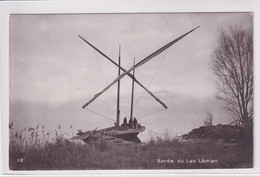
(127, 72)
(124, 70)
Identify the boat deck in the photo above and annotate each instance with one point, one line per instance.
(121, 132)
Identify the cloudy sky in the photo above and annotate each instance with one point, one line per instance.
(53, 72)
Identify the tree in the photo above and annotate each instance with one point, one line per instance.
(209, 119)
(232, 62)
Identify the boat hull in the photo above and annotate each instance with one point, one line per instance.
(112, 133)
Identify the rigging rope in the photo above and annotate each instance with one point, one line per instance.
(138, 100)
(100, 114)
(160, 117)
(103, 74)
(151, 113)
(156, 72)
(166, 52)
(104, 77)
(157, 69)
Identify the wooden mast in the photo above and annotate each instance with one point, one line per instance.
(132, 98)
(118, 90)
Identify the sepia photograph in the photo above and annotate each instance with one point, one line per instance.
(131, 91)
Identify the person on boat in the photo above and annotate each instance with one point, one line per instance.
(135, 122)
(125, 122)
(131, 122)
(79, 132)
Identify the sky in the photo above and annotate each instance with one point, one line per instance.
(53, 72)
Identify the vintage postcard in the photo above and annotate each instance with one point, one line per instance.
(117, 91)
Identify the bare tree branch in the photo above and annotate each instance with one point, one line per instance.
(232, 63)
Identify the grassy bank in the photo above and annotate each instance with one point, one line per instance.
(35, 151)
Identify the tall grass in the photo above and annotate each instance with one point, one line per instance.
(41, 150)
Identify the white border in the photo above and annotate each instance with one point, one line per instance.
(123, 6)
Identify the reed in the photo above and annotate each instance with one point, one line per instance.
(36, 149)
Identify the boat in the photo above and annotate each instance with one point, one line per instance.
(126, 133)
